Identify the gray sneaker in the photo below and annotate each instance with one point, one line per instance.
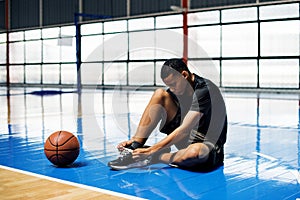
(125, 161)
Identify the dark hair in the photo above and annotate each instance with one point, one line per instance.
(170, 65)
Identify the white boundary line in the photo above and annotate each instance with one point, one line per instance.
(95, 189)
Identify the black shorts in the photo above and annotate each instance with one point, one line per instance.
(173, 124)
(216, 152)
(216, 155)
(215, 158)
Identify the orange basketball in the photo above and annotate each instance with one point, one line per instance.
(61, 148)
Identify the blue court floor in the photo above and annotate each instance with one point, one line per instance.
(262, 158)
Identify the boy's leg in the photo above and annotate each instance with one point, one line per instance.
(161, 107)
(189, 157)
(197, 156)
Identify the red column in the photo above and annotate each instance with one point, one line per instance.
(184, 5)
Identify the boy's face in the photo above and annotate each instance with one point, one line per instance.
(177, 83)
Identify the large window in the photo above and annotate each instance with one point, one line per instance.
(201, 18)
(239, 15)
(2, 74)
(115, 47)
(17, 52)
(51, 74)
(92, 73)
(239, 40)
(204, 42)
(254, 46)
(168, 43)
(239, 73)
(277, 73)
(33, 51)
(280, 38)
(141, 73)
(115, 74)
(41, 56)
(17, 73)
(141, 24)
(280, 11)
(2, 48)
(141, 45)
(92, 48)
(33, 74)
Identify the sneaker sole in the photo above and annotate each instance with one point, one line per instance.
(138, 164)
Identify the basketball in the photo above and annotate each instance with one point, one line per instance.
(61, 148)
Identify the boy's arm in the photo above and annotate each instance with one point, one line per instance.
(190, 121)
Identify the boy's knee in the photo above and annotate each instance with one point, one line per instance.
(161, 96)
(159, 93)
(194, 155)
(198, 151)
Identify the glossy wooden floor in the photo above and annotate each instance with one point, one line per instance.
(262, 152)
(19, 185)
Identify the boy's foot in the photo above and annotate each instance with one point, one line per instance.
(125, 161)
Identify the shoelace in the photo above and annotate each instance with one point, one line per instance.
(125, 153)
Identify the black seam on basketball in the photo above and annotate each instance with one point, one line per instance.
(67, 158)
(57, 138)
(66, 141)
(51, 142)
(50, 149)
(62, 149)
(63, 160)
(52, 156)
(58, 160)
(57, 145)
(55, 156)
